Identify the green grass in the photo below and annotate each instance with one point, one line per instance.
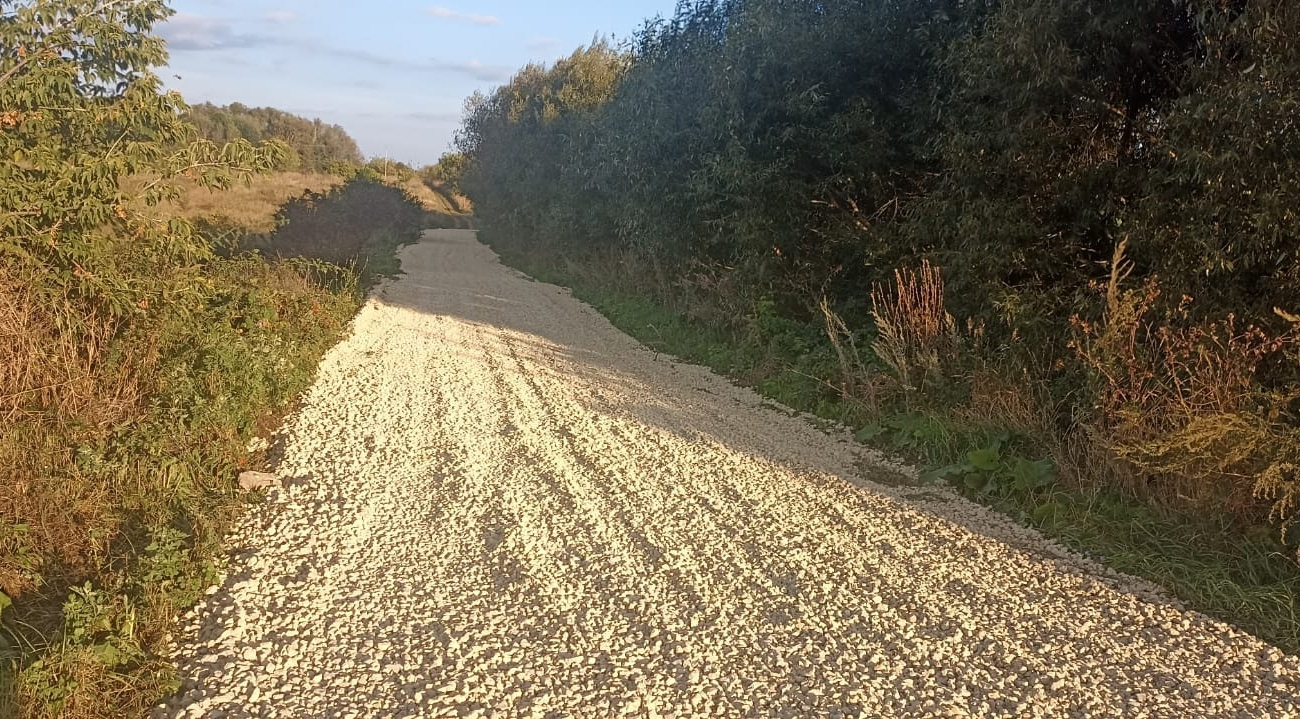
(801, 353)
(1246, 578)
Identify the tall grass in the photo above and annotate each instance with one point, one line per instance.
(434, 197)
(916, 336)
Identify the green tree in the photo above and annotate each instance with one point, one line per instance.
(761, 155)
(1066, 130)
(318, 146)
(814, 146)
(446, 173)
(528, 133)
(119, 352)
(386, 168)
(80, 109)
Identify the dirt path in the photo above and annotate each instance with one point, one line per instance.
(497, 505)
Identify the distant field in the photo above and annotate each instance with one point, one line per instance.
(251, 207)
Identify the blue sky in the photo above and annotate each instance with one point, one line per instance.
(394, 73)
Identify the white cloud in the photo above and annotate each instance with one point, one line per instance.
(447, 14)
(196, 32)
(281, 16)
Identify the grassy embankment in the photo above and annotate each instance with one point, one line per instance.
(120, 458)
(437, 199)
(251, 207)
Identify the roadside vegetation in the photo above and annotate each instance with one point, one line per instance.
(357, 226)
(433, 185)
(1044, 248)
(249, 206)
(142, 344)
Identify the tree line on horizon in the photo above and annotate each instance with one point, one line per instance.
(1109, 193)
(314, 146)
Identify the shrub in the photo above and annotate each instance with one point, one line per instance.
(1184, 400)
(358, 224)
(169, 404)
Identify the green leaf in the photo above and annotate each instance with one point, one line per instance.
(870, 432)
(985, 460)
(940, 475)
(1030, 476)
(108, 655)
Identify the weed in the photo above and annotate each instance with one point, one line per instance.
(916, 337)
(986, 470)
(120, 452)
(856, 382)
(1181, 400)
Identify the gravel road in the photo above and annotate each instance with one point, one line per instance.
(497, 505)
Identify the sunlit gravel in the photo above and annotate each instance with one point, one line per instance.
(497, 505)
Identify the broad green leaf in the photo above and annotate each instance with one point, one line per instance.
(987, 459)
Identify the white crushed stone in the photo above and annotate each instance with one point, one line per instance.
(497, 505)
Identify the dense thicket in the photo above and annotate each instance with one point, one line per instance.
(316, 146)
(1109, 189)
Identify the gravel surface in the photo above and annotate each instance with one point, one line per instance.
(497, 505)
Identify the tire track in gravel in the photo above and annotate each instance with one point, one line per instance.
(496, 505)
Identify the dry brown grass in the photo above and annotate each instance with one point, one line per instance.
(43, 367)
(250, 207)
(917, 337)
(113, 433)
(433, 200)
(1002, 398)
(857, 384)
(1180, 399)
(58, 388)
